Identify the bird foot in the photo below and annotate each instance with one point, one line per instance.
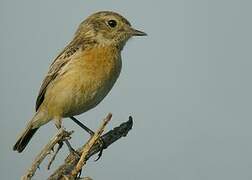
(103, 146)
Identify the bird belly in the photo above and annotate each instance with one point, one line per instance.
(76, 95)
(87, 97)
(82, 86)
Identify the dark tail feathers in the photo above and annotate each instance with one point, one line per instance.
(24, 139)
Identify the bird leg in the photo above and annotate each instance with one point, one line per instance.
(70, 148)
(103, 146)
(58, 124)
(91, 133)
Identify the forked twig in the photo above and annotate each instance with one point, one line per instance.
(87, 147)
(59, 137)
(74, 163)
(64, 171)
(60, 144)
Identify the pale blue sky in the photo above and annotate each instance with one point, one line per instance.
(187, 86)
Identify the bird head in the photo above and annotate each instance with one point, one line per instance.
(107, 28)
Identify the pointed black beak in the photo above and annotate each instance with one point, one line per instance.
(135, 32)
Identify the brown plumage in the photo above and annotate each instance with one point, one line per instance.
(83, 73)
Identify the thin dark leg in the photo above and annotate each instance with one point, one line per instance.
(82, 126)
(91, 133)
(70, 148)
(59, 126)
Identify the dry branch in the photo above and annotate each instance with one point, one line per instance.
(74, 162)
(58, 138)
(72, 159)
(88, 146)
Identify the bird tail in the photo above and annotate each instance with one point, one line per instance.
(24, 138)
(38, 120)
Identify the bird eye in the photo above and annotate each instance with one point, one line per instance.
(112, 23)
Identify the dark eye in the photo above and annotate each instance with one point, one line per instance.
(112, 23)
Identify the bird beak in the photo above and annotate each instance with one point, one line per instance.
(135, 32)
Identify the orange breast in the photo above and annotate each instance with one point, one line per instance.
(86, 80)
(100, 62)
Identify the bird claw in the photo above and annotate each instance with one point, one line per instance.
(52, 149)
(79, 174)
(76, 153)
(103, 146)
(99, 155)
(71, 149)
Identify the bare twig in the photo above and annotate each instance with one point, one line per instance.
(72, 159)
(87, 147)
(74, 163)
(59, 137)
(60, 144)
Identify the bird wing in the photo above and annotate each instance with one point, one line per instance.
(60, 61)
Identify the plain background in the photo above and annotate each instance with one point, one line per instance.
(187, 86)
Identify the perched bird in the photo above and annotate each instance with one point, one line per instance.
(83, 73)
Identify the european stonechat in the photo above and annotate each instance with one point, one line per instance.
(83, 73)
